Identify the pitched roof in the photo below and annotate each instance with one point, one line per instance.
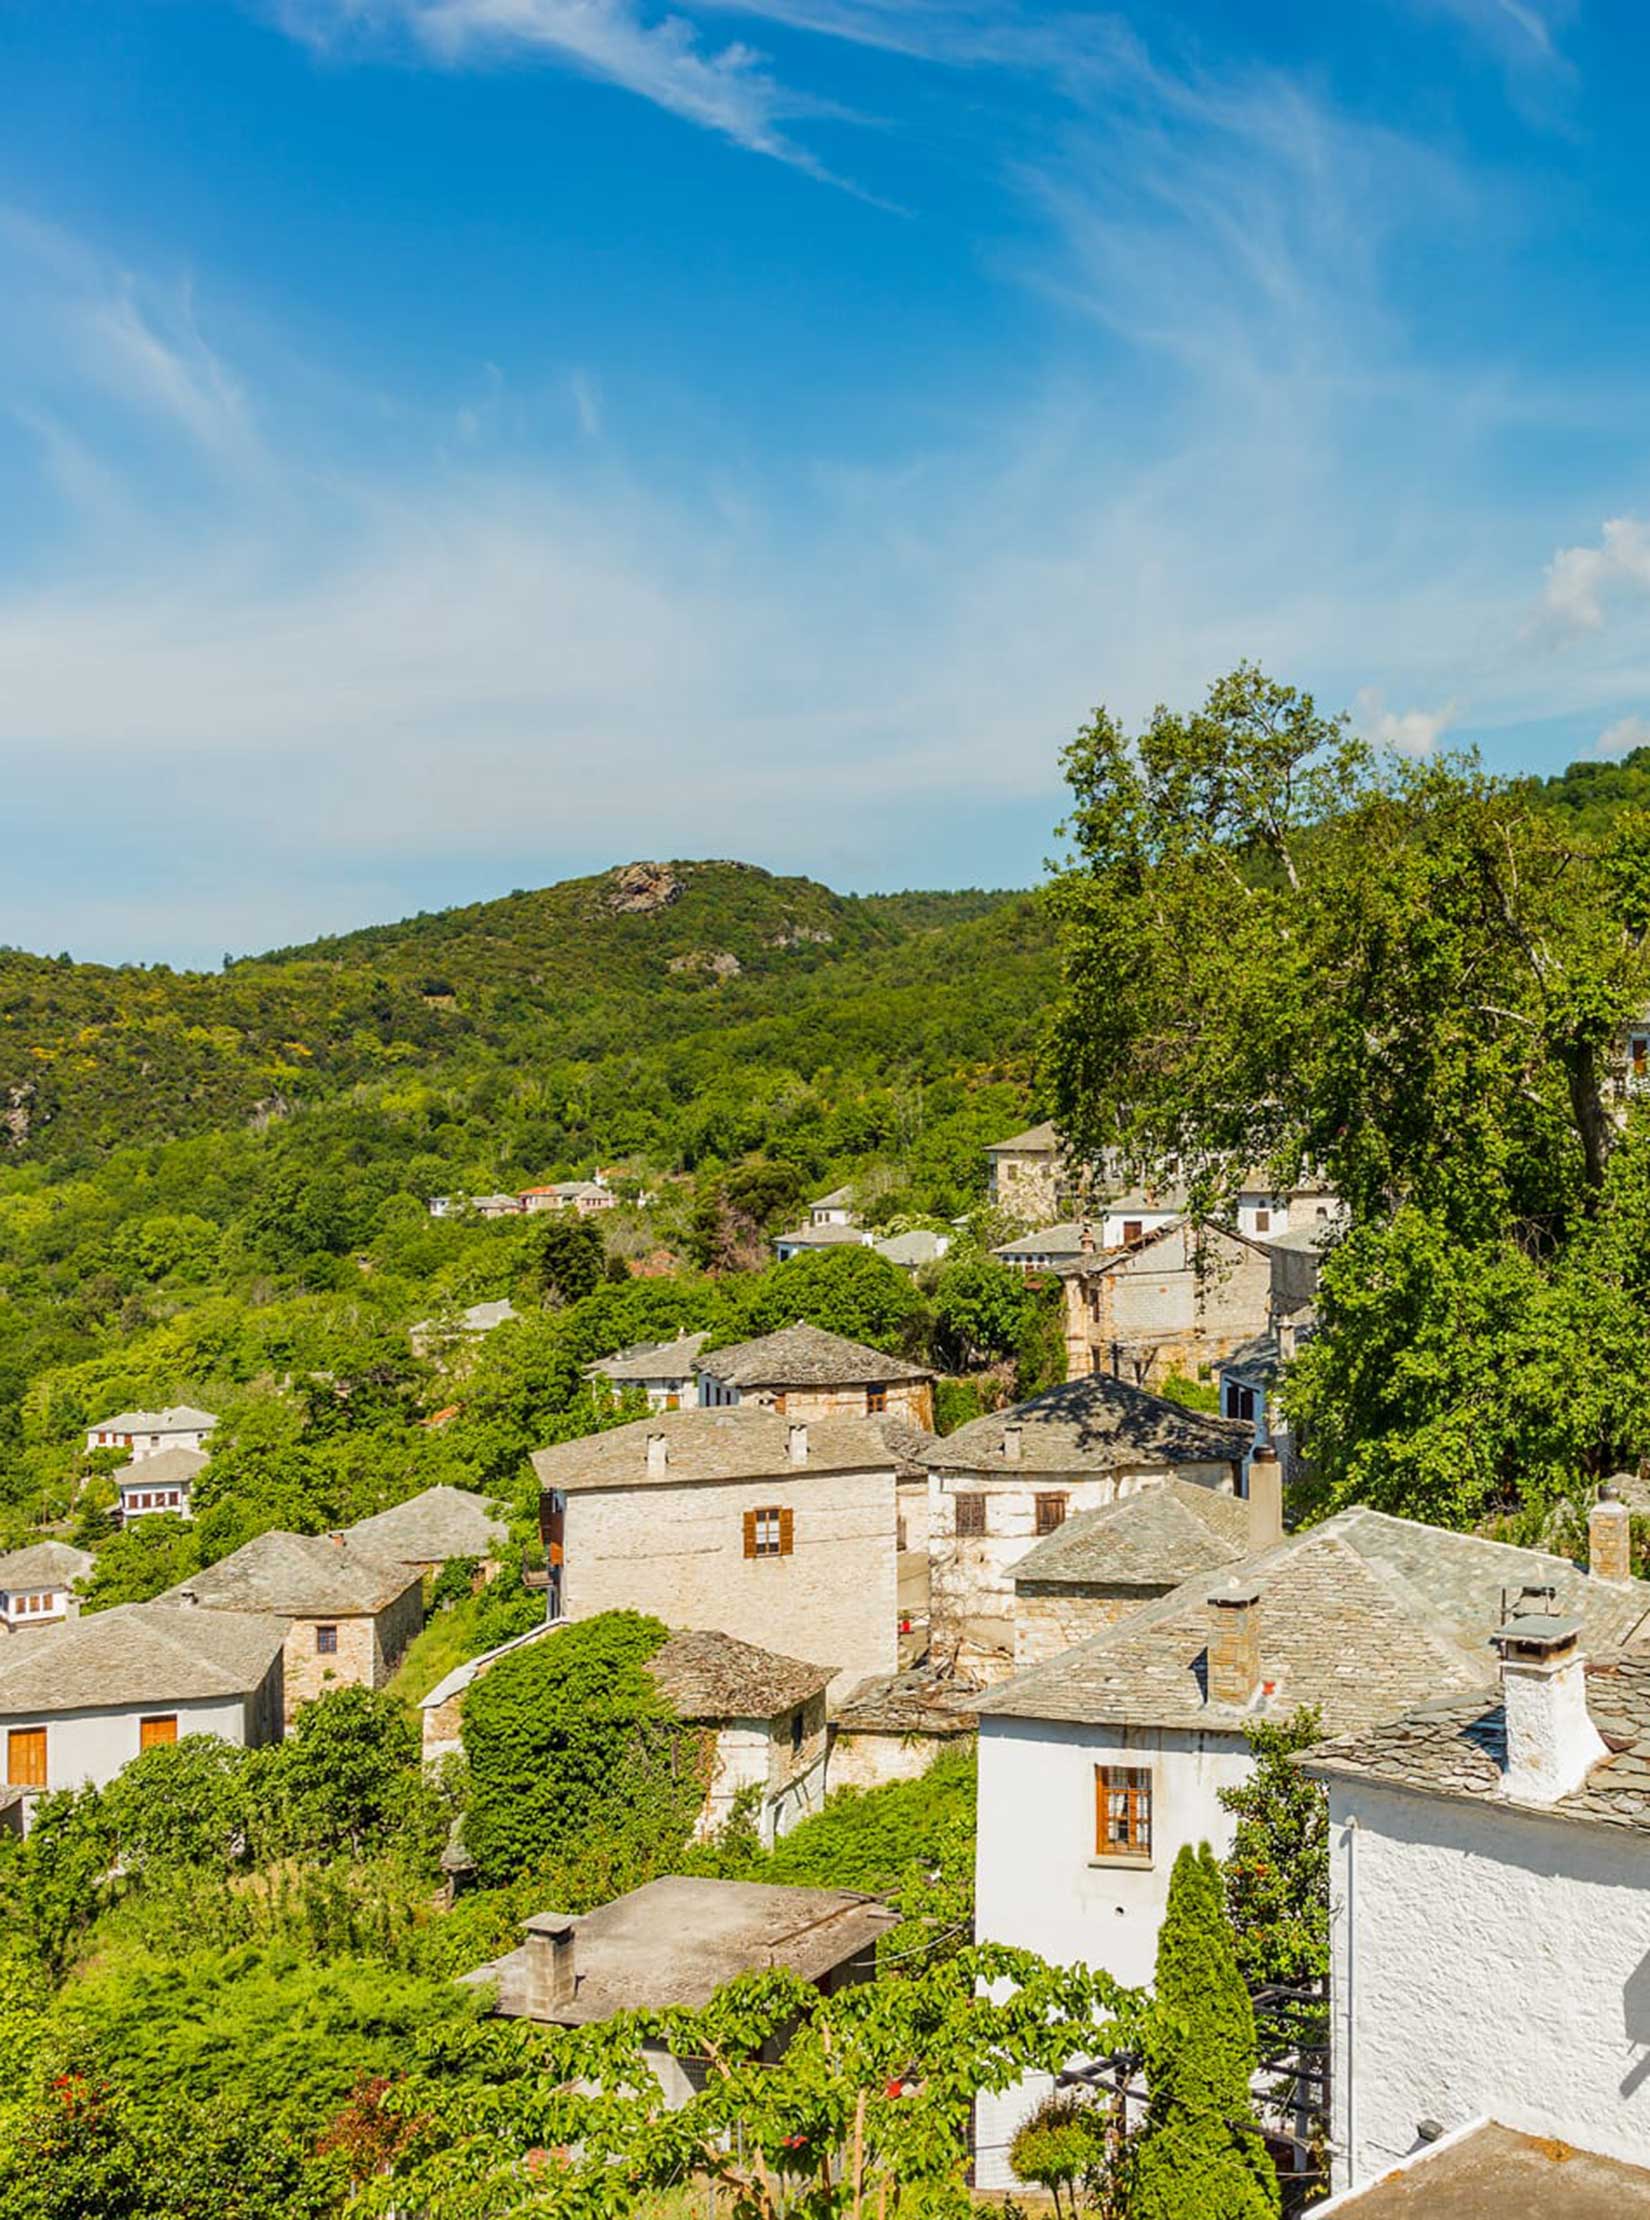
(1092, 1424)
(1457, 1747)
(704, 1675)
(1064, 1239)
(138, 1653)
(653, 1360)
(166, 1468)
(1034, 1138)
(916, 1701)
(177, 1418)
(1155, 1538)
(919, 1246)
(738, 1441)
(838, 1199)
(442, 1522)
(43, 1564)
(825, 1237)
(1365, 1617)
(906, 1444)
(304, 1576)
(806, 1356)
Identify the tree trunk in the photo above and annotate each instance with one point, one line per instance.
(1592, 1120)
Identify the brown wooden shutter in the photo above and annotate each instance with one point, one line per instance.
(750, 1533)
(787, 1521)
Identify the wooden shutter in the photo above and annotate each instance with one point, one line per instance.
(750, 1533)
(26, 1757)
(159, 1733)
(786, 1531)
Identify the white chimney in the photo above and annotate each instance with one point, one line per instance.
(1552, 1744)
(796, 1444)
(1265, 1499)
(1609, 1537)
(552, 1975)
(658, 1453)
(1012, 1439)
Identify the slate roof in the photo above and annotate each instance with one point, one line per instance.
(303, 1576)
(741, 1441)
(840, 1198)
(678, 1940)
(919, 1246)
(480, 1318)
(824, 1237)
(917, 1701)
(178, 1418)
(1092, 1424)
(1153, 1539)
(138, 1653)
(1366, 1617)
(908, 1445)
(1034, 1137)
(712, 1676)
(1065, 1239)
(803, 1356)
(43, 1565)
(653, 1360)
(441, 1523)
(1458, 1748)
(167, 1468)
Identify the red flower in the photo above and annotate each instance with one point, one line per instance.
(895, 2088)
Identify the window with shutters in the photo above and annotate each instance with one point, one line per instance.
(876, 1401)
(158, 1733)
(1050, 1512)
(768, 1532)
(970, 1516)
(26, 1757)
(1122, 1811)
(1133, 1228)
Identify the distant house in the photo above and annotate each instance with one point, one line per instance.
(496, 1206)
(1027, 1175)
(81, 1699)
(442, 1206)
(1177, 1301)
(1048, 1247)
(911, 1251)
(469, 1325)
(676, 1942)
(777, 1531)
(893, 1726)
(834, 1209)
(350, 1613)
(37, 1584)
(430, 1529)
(662, 1370)
(148, 1433)
(162, 1482)
(999, 1483)
(581, 1195)
(808, 1240)
(808, 1373)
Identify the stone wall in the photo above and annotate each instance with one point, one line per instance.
(1028, 1183)
(369, 1649)
(912, 1400)
(1051, 1617)
(1175, 1305)
(865, 1760)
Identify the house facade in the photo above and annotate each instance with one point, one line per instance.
(583, 1196)
(660, 1370)
(778, 1531)
(159, 1484)
(37, 1584)
(811, 1239)
(1027, 1176)
(804, 1372)
(149, 1433)
(1176, 1302)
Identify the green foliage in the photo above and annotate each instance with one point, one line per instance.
(183, 1805)
(1196, 1395)
(1198, 2156)
(1063, 2144)
(980, 1310)
(572, 1259)
(1277, 1874)
(344, 1777)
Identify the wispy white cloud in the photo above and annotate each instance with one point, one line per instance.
(1414, 732)
(1584, 582)
(1621, 738)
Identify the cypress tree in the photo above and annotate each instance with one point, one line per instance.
(1198, 2157)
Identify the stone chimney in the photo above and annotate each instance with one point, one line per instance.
(552, 1975)
(1265, 1499)
(1085, 1239)
(1234, 1644)
(658, 1453)
(1013, 1441)
(1552, 1744)
(187, 1599)
(1609, 1537)
(796, 1444)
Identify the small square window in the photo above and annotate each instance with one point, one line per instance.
(1050, 1513)
(326, 1641)
(876, 1401)
(970, 1515)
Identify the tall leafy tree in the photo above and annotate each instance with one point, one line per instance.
(1277, 1876)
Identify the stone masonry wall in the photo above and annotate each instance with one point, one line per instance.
(1049, 1619)
(369, 1649)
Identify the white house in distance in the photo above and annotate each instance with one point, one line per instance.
(834, 1209)
(37, 1584)
(1490, 1885)
(159, 1483)
(149, 1433)
(1096, 1766)
(662, 1370)
(581, 1195)
(829, 1234)
(82, 1699)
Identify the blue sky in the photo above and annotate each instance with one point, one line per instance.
(450, 444)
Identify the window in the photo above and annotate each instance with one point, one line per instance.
(970, 1516)
(1263, 1221)
(26, 1757)
(768, 1532)
(876, 1402)
(1133, 1228)
(796, 1732)
(1050, 1513)
(157, 1733)
(1641, 1056)
(1240, 1401)
(326, 1641)
(900, 1541)
(1122, 1811)
(779, 1402)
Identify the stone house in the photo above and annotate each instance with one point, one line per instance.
(148, 1433)
(1176, 1302)
(1000, 1483)
(80, 1700)
(580, 1195)
(1097, 1765)
(159, 1484)
(37, 1584)
(834, 1209)
(496, 1206)
(892, 1727)
(662, 1370)
(776, 1530)
(1027, 1175)
(430, 1529)
(807, 1373)
(676, 1942)
(349, 1613)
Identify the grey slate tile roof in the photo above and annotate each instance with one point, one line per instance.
(178, 1418)
(167, 1468)
(1063, 1240)
(1154, 1539)
(739, 1441)
(1034, 1138)
(917, 1701)
(442, 1522)
(138, 1653)
(1365, 1617)
(653, 1360)
(919, 1246)
(1458, 1748)
(1092, 1424)
(824, 1237)
(803, 1356)
(43, 1565)
(301, 1576)
(840, 1198)
(908, 1445)
(713, 1676)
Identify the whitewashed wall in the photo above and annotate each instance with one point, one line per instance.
(93, 1744)
(1485, 1961)
(1038, 1882)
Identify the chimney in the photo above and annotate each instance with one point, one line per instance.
(552, 1977)
(1609, 1536)
(796, 1444)
(1085, 1239)
(658, 1453)
(1265, 1499)
(188, 1599)
(1012, 1436)
(1234, 1644)
(1552, 1744)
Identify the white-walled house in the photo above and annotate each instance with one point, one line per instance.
(37, 1584)
(80, 1700)
(828, 1233)
(149, 1433)
(158, 1484)
(662, 1370)
(834, 1209)
(1096, 1766)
